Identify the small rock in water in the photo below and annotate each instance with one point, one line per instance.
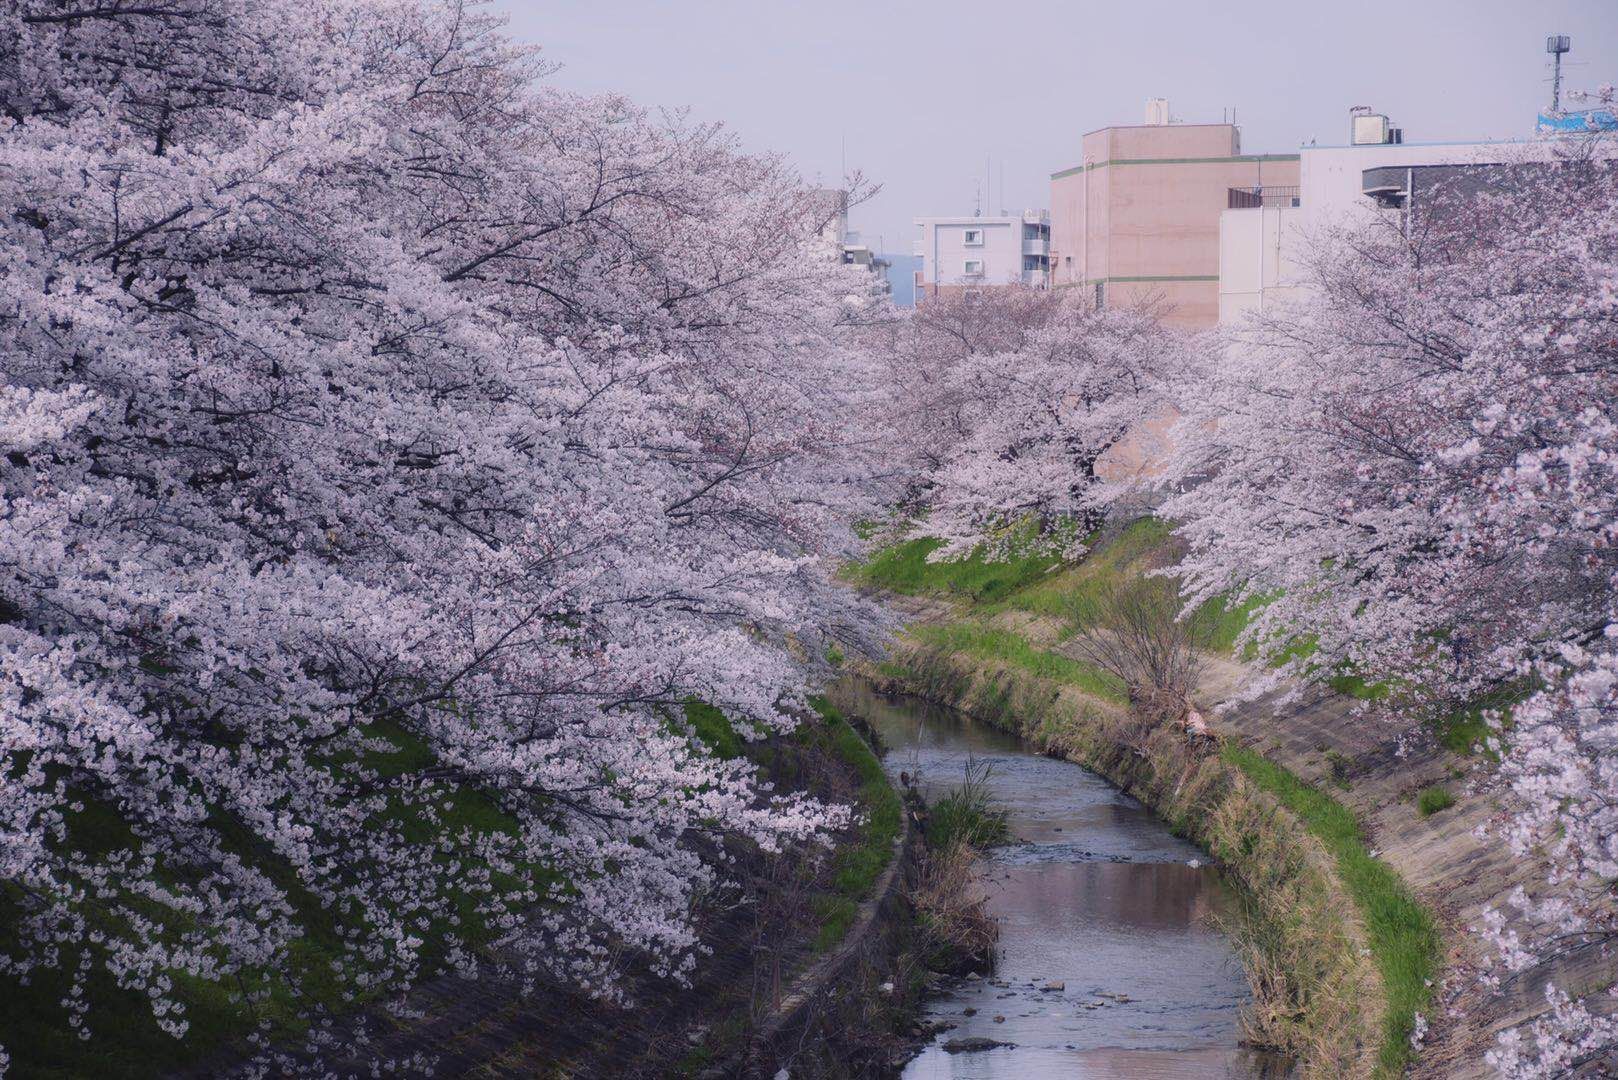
(969, 1012)
(1193, 863)
(972, 1045)
(1054, 984)
(999, 1019)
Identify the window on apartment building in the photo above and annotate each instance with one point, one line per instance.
(974, 238)
(973, 267)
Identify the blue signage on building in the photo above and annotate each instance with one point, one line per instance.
(1578, 123)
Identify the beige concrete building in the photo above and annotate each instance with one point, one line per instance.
(1137, 220)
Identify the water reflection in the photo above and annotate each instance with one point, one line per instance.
(1095, 894)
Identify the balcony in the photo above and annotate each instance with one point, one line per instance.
(1252, 198)
(1036, 246)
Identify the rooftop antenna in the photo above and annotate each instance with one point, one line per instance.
(1002, 188)
(1556, 45)
(977, 199)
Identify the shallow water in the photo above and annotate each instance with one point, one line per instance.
(1095, 893)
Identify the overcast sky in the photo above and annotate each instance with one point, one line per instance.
(918, 95)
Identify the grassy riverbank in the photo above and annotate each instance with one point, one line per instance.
(1400, 933)
(1341, 956)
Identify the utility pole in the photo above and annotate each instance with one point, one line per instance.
(1556, 45)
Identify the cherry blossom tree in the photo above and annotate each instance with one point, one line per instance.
(1414, 466)
(1008, 398)
(386, 434)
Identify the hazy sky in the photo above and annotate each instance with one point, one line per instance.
(920, 94)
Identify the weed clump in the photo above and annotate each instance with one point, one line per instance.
(1434, 799)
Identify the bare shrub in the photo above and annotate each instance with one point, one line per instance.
(1134, 631)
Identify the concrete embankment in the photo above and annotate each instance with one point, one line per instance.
(1454, 861)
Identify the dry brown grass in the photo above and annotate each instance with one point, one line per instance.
(957, 932)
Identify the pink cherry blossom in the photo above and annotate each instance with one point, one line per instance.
(361, 390)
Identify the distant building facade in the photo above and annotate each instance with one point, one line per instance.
(1137, 219)
(836, 241)
(959, 254)
(1263, 231)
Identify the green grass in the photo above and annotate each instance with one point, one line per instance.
(1359, 687)
(969, 814)
(903, 568)
(1434, 799)
(1105, 566)
(1403, 941)
(856, 866)
(713, 730)
(1225, 622)
(1465, 730)
(990, 643)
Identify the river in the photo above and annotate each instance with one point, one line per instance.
(1093, 893)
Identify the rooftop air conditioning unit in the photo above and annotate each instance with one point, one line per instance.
(1368, 128)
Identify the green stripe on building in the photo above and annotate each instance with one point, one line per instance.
(1173, 161)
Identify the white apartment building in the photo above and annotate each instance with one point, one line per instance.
(965, 253)
(1263, 232)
